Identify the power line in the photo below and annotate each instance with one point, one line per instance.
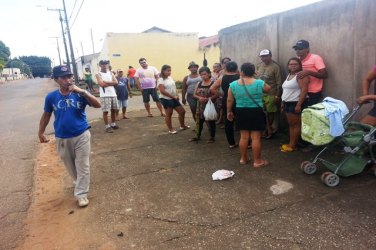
(74, 5)
(78, 12)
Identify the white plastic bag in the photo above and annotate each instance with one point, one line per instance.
(210, 113)
(222, 175)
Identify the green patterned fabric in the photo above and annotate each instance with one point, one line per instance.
(315, 126)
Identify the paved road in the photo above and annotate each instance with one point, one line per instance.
(20, 108)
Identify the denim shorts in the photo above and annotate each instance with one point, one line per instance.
(169, 103)
(289, 107)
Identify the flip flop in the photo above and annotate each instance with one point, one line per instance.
(185, 127)
(172, 132)
(150, 115)
(287, 149)
(243, 162)
(264, 163)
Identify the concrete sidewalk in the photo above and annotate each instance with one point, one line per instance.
(152, 190)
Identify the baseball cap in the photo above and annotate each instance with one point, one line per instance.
(192, 64)
(61, 70)
(301, 44)
(102, 62)
(265, 52)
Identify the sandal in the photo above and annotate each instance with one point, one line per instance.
(287, 149)
(262, 164)
(150, 115)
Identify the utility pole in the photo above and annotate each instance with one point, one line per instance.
(92, 40)
(62, 30)
(58, 48)
(82, 49)
(70, 45)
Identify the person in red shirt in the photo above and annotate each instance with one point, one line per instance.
(130, 75)
(314, 67)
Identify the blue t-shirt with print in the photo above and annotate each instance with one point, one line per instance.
(69, 112)
(241, 97)
(122, 88)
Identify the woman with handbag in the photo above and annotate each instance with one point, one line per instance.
(250, 116)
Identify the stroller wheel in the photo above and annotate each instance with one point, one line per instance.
(331, 180)
(308, 167)
(323, 175)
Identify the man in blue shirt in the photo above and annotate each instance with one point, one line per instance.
(71, 128)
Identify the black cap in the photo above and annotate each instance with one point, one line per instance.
(61, 70)
(301, 44)
(102, 62)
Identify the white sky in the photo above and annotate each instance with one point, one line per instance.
(25, 28)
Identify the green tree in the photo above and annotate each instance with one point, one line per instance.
(4, 55)
(17, 63)
(40, 66)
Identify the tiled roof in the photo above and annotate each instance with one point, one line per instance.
(208, 41)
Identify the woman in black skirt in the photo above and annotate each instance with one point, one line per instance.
(250, 117)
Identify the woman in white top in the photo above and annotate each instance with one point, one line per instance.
(294, 92)
(170, 99)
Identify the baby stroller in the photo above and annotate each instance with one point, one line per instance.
(357, 142)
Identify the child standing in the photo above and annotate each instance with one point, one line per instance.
(123, 90)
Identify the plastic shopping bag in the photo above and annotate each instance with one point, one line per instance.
(210, 113)
(222, 175)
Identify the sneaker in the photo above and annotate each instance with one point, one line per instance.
(115, 126)
(83, 202)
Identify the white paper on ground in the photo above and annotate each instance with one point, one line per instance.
(222, 174)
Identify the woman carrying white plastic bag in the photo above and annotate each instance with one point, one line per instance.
(203, 96)
(210, 113)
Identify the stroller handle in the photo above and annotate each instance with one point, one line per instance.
(353, 112)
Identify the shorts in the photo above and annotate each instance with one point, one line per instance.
(132, 82)
(122, 103)
(109, 103)
(146, 95)
(251, 119)
(192, 102)
(313, 98)
(289, 107)
(269, 103)
(169, 103)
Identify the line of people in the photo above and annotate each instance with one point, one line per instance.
(242, 101)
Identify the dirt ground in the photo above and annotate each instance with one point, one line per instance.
(54, 220)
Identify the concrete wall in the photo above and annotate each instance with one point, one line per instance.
(342, 32)
(175, 49)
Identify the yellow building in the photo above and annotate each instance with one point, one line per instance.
(159, 47)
